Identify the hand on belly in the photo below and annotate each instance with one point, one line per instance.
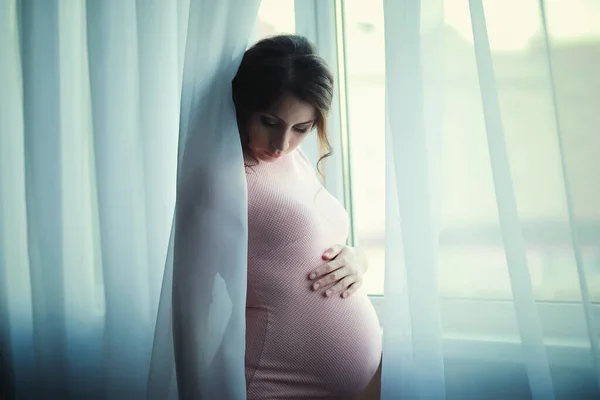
(341, 273)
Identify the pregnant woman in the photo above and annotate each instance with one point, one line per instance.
(310, 333)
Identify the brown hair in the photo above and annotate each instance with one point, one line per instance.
(279, 65)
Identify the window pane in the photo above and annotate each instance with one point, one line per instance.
(472, 259)
(275, 17)
(365, 75)
(471, 256)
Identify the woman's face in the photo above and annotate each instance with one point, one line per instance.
(281, 128)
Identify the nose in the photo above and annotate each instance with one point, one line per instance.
(280, 142)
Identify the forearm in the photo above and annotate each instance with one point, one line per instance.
(210, 240)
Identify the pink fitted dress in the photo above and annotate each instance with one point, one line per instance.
(300, 344)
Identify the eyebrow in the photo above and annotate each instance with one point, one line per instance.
(301, 123)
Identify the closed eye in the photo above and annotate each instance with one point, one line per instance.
(301, 129)
(268, 121)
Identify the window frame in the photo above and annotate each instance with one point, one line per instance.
(322, 23)
(496, 337)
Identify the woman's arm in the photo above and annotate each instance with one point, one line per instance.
(190, 305)
(209, 287)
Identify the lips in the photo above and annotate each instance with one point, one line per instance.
(274, 155)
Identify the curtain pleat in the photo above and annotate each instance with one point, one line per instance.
(423, 364)
(15, 294)
(91, 100)
(118, 145)
(532, 342)
(81, 250)
(159, 94)
(90, 109)
(591, 327)
(397, 361)
(43, 175)
(207, 280)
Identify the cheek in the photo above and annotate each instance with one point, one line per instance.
(257, 135)
(296, 140)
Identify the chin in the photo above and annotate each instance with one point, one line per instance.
(266, 158)
(262, 156)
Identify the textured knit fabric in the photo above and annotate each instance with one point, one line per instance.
(299, 343)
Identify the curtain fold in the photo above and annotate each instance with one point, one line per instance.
(534, 351)
(417, 336)
(160, 78)
(118, 146)
(91, 163)
(590, 322)
(17, 335)
(41, 115)
(207, 281)
(88, 136)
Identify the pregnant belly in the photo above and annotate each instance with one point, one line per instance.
(308, 346)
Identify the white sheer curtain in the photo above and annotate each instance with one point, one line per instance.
(90, 103)
(429, 119)
(207, 278)
(90, 107)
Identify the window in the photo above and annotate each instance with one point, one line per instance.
(476, 298)
(470, 239)
(275, 17)
(478, 316)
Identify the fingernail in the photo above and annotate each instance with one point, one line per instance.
(315, 286)
(345, 294)
(328, 293)
(313, 276)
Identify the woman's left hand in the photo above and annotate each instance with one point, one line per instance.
(344, 271)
